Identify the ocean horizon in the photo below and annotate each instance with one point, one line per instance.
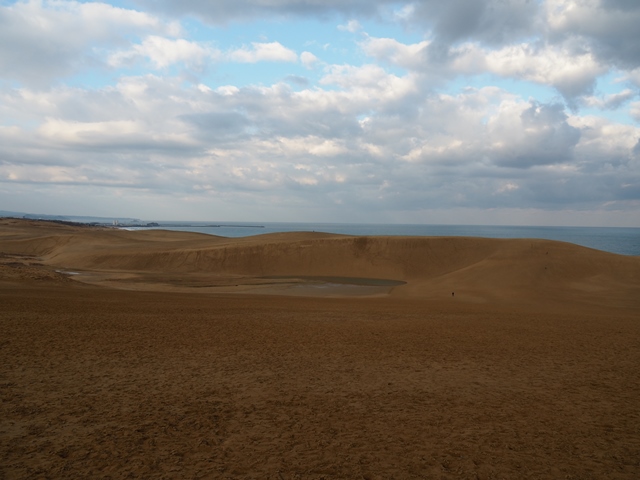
(620, 240)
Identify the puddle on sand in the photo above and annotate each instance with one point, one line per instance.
(354, 281)
(336, 289)
(332, 286)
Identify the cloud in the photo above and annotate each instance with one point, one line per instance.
(351, 26)
(114, 135)
(389, 50)
(491, 22)
(571, 73)
(225, 11)
(608, 28)
(225, 124)
(308, 59)
(634, 77)
(566, 44)
(164, 52)
(612, 101)
(44, 40)
(261, 52)
(297, 80)
(635, 111)
(369, 84)
(540, 136)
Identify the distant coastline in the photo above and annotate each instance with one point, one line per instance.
(118, 222)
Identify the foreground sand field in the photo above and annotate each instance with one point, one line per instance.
(169, 355)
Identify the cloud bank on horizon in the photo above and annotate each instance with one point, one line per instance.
(483, 111)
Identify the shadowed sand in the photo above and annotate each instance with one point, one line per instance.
(148, 354)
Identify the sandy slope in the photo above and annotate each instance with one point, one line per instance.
(530, 371)
(478, 270)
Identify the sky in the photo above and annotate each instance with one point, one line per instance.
(510, 112)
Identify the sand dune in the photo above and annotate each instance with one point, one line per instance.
(159, 360)
(512, 271)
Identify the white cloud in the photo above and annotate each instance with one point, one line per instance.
(507, 187)
(604, 144)
(612, 101)
(390, 50)
(370, 84)
(42, 40)
(87, 132)
(571, 73)
(351, 26)
(263, 52)
(114, 135)
(164, 52)
(311, 145)
(526, 136)
(307, 180)
(228, 90)
(308, 59)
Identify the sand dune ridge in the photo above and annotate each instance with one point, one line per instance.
(479, 269)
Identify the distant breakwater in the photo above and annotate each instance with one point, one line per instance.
(173, 225)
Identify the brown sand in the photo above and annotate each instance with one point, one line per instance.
(158, 360)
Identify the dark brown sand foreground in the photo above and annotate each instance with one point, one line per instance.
(169, 355)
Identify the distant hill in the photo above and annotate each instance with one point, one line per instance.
(7, 213)
(67, 218)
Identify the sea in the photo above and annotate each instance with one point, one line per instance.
(620, 240)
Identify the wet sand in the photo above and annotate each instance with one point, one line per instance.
(505, 380)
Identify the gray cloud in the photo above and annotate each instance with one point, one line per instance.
(609, 28)
(224, 11)
(610, 102)
(297, 80)
(493, 22)
(546, 138)
(218, 124)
